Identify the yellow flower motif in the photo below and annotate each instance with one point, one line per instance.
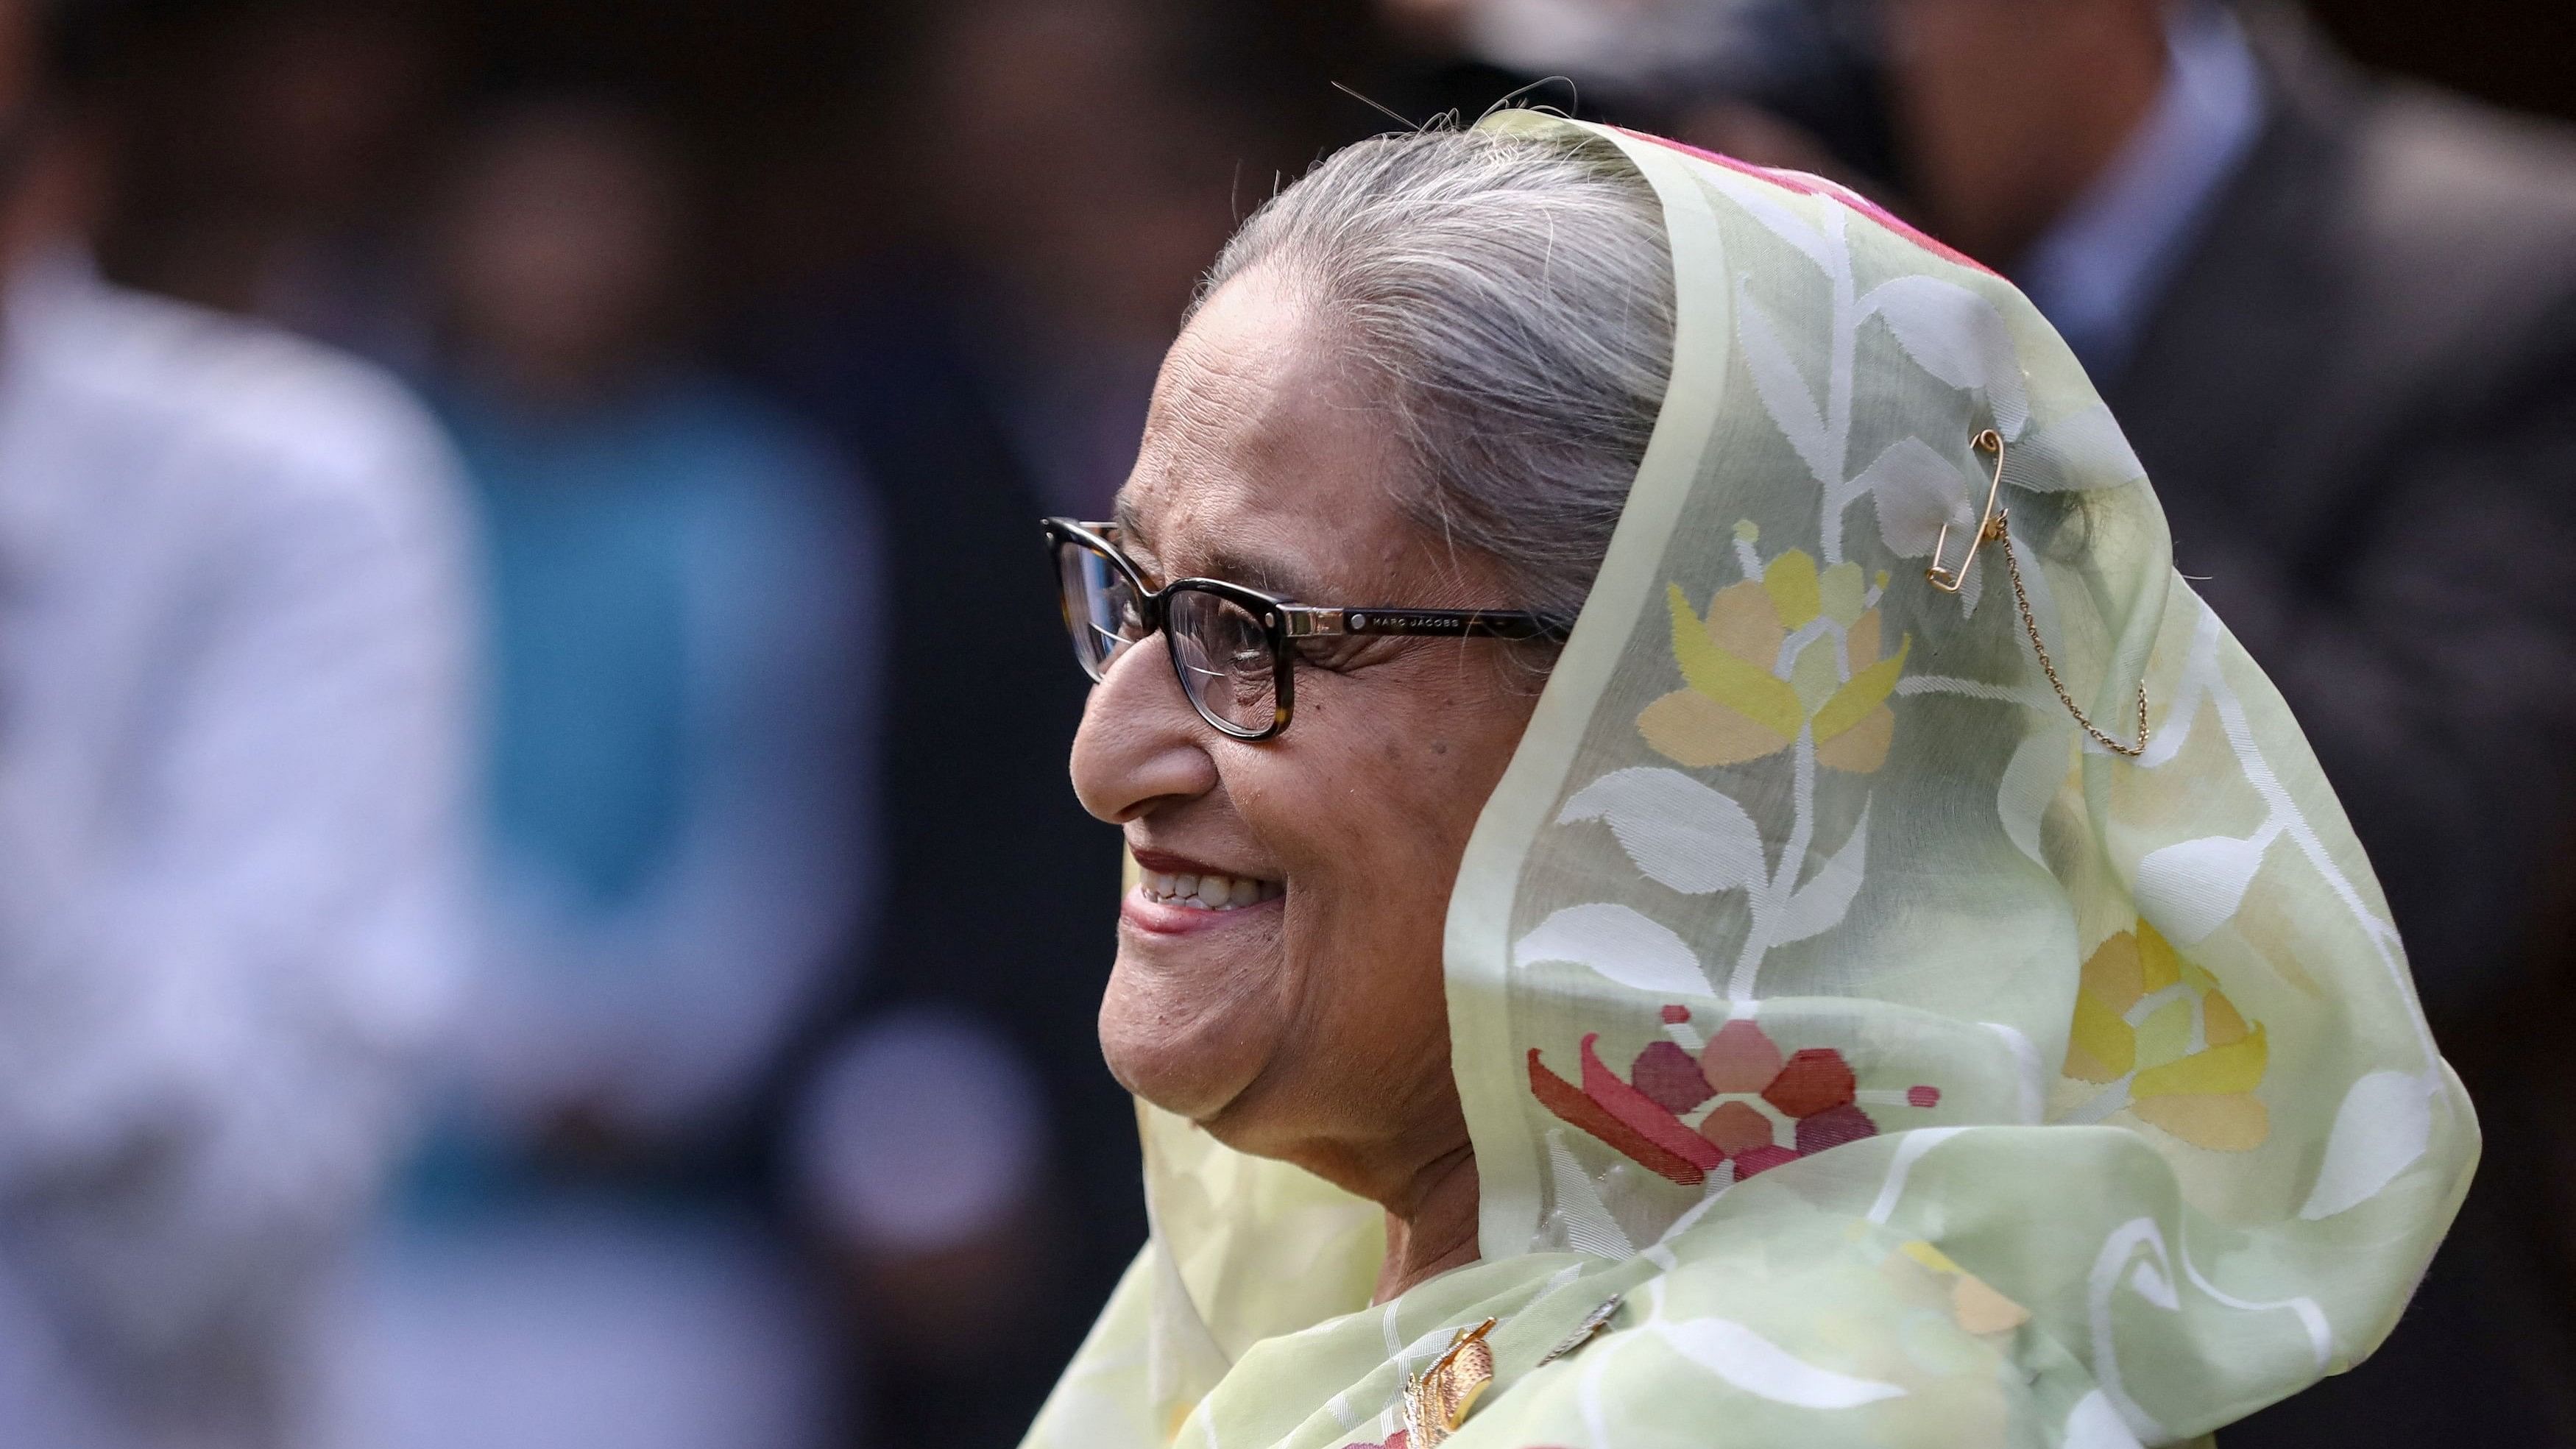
(2191, 1060)
(1743, 701)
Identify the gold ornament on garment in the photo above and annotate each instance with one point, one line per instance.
(1996, 528)
(1438, 1399)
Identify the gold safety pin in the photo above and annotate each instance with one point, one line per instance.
(1994, 529)
(1989, 528)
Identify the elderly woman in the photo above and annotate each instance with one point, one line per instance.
(1699, 877)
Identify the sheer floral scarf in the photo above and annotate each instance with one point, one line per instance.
(1907, 1063)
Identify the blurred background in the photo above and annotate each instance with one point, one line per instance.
(538, 900)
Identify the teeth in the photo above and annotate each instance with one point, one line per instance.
(1210, 892)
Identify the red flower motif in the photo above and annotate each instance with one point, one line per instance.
(1666, 1073)
(1815, 1090)
(1736, 1128)
(1815, 1080)
(1740, 1058)
(1761, 1159)
(1833, 1127)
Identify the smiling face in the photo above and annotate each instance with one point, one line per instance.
(1304, 1018)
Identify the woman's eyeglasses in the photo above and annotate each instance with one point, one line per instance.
(1233, 648)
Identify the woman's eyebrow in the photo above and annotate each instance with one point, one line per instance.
(1131, 531)
(1258, 571)
(1131, 538)
(1253, 570)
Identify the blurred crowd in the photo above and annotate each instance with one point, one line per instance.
(539, 904)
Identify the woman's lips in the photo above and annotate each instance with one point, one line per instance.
(1142, 910)
(1175, 895)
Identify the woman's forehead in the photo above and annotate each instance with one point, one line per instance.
(1259, 465)
(1245, 380)
(1222, 538)
(1288, 531)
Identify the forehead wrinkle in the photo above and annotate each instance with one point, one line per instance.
(1192, 426)
(1221, 414)
(1245, 414)
(1236, 408)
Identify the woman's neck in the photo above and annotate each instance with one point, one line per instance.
(1432, 1228)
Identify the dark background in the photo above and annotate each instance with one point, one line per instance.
(798, 111)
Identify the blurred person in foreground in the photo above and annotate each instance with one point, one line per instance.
(234, 664)
(683, 608)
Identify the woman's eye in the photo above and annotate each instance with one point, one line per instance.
(1333, 654)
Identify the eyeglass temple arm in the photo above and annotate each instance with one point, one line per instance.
(1302, 622)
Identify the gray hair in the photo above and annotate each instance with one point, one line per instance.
(1514, 294)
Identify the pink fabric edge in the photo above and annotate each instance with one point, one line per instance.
(1805, 185)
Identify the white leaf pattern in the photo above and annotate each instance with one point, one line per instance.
(1679, 832)
(1820, 904)
(2087, 450)
(1622, 945)
(2383, 1126)
(2189, 890)
(1916, 492)
(1957, 336)
(1764, 204)
(1762, 1368)
(1785, 394)
(2096, 1425)
(1583, 1219)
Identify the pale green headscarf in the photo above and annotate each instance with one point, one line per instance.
(1915, 1069)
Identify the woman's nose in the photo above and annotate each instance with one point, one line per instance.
(1140, 743)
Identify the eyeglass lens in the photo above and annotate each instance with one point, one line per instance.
(1100, 607)
(1220, 649)
(1225, 660)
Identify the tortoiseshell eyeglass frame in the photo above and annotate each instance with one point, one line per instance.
(1283, 621)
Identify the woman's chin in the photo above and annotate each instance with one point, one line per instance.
(1186, 1037)
(1182, 1082)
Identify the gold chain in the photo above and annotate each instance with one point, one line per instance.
(2001, 531)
